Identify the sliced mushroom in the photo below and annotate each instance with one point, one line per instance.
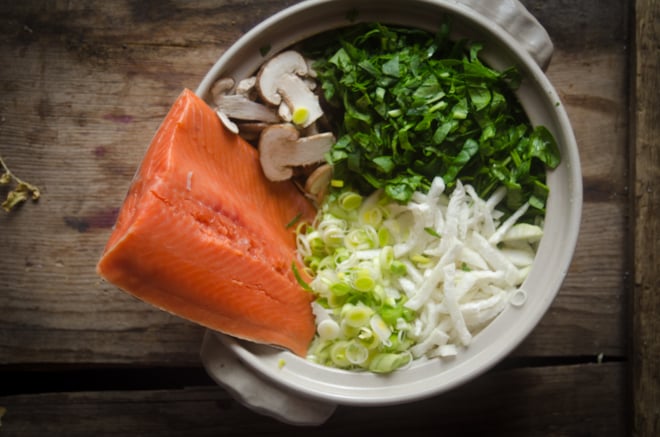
(281, 148)
(303, 103)
(251, 130)
(310, 68)
(237, 106)
(281, 78)
(230, 125)
(289, 62)
(312, 129)
(318, 182)
(284, 112)
(310, 82)
(247, 87)
(221, 87)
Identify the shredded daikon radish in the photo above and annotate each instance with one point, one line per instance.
(397, 282)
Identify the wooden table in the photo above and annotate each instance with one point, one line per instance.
(84, 85)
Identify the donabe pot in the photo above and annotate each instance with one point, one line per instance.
(510, 36)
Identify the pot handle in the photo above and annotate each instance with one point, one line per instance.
(516, 20)
(254, 392)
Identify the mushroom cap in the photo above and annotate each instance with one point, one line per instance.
(230, 125)
(288, 62)
(220, 87)
(251, 130)
(281, 148)
(247, 87)
(318, 181)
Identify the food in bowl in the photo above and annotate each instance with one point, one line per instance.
(510, 36)
(432, 194)
(237, 231)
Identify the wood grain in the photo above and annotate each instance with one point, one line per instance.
(646, 170)
(543, 401)
(81, 100)
(83, 87)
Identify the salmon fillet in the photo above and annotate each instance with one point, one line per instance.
(203, 234)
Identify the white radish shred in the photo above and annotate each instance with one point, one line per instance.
(519, 297)
(426, 276)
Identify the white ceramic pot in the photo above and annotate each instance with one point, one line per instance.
(511, 36)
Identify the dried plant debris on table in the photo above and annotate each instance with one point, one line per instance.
(21, 190)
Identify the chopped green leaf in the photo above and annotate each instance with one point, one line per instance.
(299, 278)
(294, 220)
(263, 50)
(544, 147)
(391, 67)
(384, 163)
(410, 105)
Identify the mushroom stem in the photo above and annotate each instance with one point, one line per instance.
(281, 148)
(316, 185)
(240, 107)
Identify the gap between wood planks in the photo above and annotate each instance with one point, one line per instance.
(58, 378)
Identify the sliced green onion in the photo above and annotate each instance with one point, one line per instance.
(392, 314)
(372, 216)
(333, 236)
(420, 259)
(356, 353)
(363, 280)
(300, 115)
(328, 329)
(349, 200)
(384, 237)
(367, 338)
(386, 257)
(388, 362)
(398, 268)
(356, 315)
(338, 354)
(340, 288)
(340, 256)
(294, 220)
(347, 330)
(300, 280)
(336, 300)
(317, 245)
(369, 260)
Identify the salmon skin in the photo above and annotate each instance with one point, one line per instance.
(203, 234)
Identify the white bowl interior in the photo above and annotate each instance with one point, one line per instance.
(538, 97)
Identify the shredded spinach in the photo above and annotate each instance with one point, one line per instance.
(410, 105)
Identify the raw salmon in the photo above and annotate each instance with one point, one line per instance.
(203, 234)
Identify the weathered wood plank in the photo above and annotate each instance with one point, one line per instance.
(548, 401)
(645, 169)
(84, 88)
